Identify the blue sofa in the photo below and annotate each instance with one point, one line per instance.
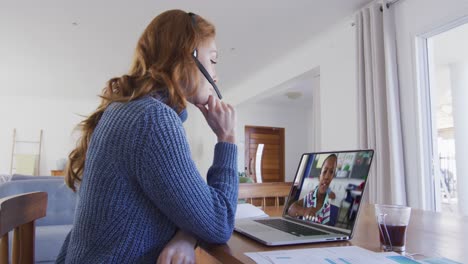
(52, 229)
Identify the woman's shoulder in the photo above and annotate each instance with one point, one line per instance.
(156, 108)
(150, 102)
(143, 115)
(146, 105)
(159, 115)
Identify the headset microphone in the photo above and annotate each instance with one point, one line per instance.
(206, 74)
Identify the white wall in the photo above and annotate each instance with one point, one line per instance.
(201, 139)
(414, 18)
(57, 117)
(442, 96)
(314, 118)
(459, 84)
(334, 52)
(294, 120)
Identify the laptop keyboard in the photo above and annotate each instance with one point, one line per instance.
(289, 227)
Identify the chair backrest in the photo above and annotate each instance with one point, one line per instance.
(19, 213)
(264, 191)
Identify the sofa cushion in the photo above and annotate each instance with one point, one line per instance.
(49, 240)
(20, 177)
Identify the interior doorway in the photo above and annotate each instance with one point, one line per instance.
(264, 153)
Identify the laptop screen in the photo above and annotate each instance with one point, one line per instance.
(328, 188)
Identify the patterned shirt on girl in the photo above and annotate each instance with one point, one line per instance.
(322, 216)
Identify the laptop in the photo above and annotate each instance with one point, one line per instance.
(323, 203)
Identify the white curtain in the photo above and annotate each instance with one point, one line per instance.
(378, 103)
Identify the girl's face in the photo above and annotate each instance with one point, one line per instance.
(327, 173)
(208, 56)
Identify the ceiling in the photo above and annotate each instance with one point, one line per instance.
(293, 93)
(448, 48)
(71, 48)
(451, 46)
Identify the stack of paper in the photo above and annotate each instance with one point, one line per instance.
(247, 210)
(335, 255)
(328, 255)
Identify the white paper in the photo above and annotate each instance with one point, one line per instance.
(328, 255)
(248, 210)
(439, 261)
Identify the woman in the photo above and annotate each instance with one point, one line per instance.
(315, 206)
(140, 194)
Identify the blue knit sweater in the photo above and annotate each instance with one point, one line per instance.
(140, 185)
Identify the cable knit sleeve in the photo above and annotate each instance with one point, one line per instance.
(169, 178)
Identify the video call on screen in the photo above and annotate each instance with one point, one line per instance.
(328, 188)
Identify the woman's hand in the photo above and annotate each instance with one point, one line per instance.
(180, 250)
(221, 117)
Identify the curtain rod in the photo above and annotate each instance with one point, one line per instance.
(389, 4)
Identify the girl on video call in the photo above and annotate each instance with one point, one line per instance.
(315, 206)
(141, 198)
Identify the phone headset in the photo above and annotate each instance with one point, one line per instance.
(199, 65)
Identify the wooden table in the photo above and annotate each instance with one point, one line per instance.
(430, 234)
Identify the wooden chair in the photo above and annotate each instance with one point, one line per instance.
(264, 191)
(19, 213)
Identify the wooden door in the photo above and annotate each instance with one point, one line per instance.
(272, 164)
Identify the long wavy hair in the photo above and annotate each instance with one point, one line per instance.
(162, 63)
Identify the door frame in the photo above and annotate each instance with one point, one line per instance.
(424, 81)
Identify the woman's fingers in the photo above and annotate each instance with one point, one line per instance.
(231, 108)
(177, 256)
(164, 258)
(221, 118)
(212, 102)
